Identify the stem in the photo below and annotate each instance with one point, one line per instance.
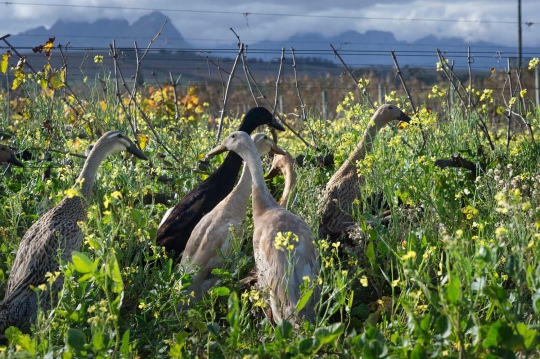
(226, 94)
(364, 91)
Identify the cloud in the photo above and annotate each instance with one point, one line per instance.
(213, 28)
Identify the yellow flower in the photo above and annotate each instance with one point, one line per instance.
(106, 201)
(409, 255)
(142, 305)
(364, 281)
(98, 59)
(470, 211)
(501, 231)
(116, 194)
(72, 192)
(523, 92)
(534, 63)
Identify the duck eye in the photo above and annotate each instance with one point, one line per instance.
(390, 108)
(265, 137)
(119, 135)
(232, 136)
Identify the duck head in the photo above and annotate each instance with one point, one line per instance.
(259, 116)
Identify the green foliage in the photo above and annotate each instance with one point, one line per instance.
(459, 277)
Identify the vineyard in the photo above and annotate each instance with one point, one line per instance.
(453, 271)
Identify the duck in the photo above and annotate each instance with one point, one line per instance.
(284, 163)
(176, 228)
(283, 245)
(56, 231)
(211, 237)
(7, 156)
(342, 189)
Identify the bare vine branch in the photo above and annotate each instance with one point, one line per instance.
(409, 97)
(226, 94)
(302, 105)
(449, 74)
(364, 91)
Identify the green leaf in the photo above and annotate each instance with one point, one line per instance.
(453, 291)
(76, 339)
(370, 253)
(443, 328)
(330, 333)
(496, 293)
(418, 352)
(308, 346)
(16, 338)
(529, 335)
(97, 341)
(304, 300)
(115, 274)
(82, 263)
(233, 316)
(221, 291)
(284, 330)
(125, 344)
(497, 333)
(176, 350)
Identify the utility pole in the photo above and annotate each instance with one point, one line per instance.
(519, 36)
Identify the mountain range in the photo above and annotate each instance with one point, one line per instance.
(357, 49)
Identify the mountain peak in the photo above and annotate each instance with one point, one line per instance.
(101, 32)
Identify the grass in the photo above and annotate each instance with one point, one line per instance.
(458, 278)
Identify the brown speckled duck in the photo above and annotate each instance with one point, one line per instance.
(343, 188)
(55, 231)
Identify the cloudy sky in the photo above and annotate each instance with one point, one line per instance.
(208, 21)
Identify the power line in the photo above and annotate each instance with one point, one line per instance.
(256, 41)
(246, 14)
(344, 52)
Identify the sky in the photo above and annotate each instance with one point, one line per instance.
(208, 22)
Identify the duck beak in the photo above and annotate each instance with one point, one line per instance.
(14, 161)
(216, 151)
(275, 124)
(404, 118)
(136, 152)
(273, 173)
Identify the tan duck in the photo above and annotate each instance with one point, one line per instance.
(6, 156)
(284, 164)
(282, 270)
(343, 188)
(57, 231)
(211, 238)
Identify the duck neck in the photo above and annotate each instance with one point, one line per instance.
(365, 145)
(88, 173)
(262, 199)
(243, 189)
(290, 180)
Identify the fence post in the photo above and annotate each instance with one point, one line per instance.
(325, 105)
(382, 96)
(281, 105)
